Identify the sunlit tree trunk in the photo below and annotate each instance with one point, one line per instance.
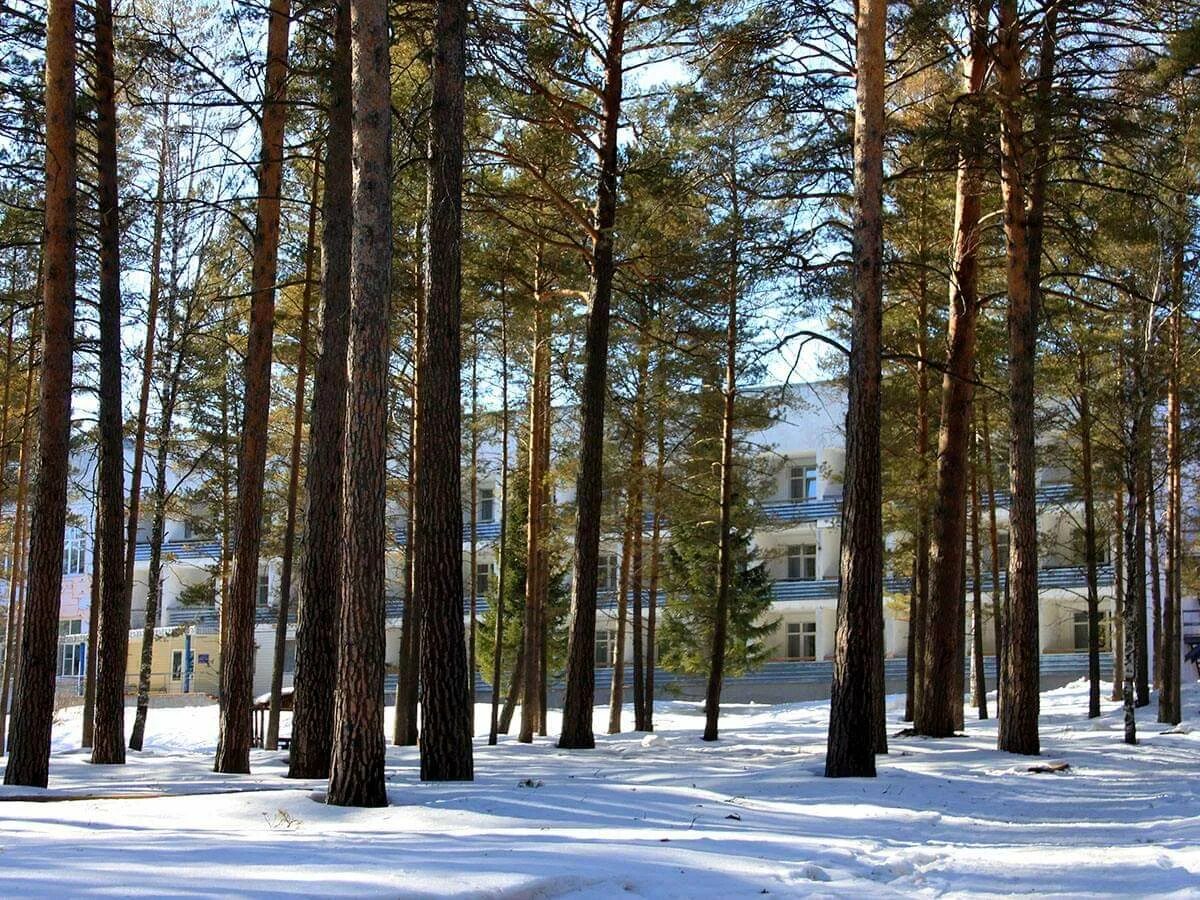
(17, 551)
(1019, 705)
(33, 707)
(356, 763)
(1090, 553)
(112, 639)
(271, 739)
(502, 545)
(580, 691)
(941, 701)
(855, 728)
(320, 577)
(446, 753)
(237, 644)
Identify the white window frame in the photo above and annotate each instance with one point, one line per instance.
(483, 570)
(607, 638)
(74, 551)
(802, 562)
(487, 504)
(608, 576)
(805, 636)
(177, 665)
(802, 485)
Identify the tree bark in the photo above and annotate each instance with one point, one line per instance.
(655, 545)
(636, 549)
(446, 753)
(1118, 650)
(1089, 535)
(532, 634)
(155, 296)
(409, 674)
(502, 546)
(1018, 731)
(915, 651)
(716, 671)
(998, 596)
(978, 677)
(941, 701)
(854, 726)
(16, 555)
(580, 690)
(320, 581)
(237, 650)
(112, 643)
(356, 764)
(474, 524)
(616, 694)
(1169, 705)
(89, 678)
(173, 368)
(33, 709)
(1155, 583)
(271, 740)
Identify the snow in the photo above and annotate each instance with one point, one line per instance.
(649, 816)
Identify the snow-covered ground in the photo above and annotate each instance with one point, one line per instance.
(661, 816)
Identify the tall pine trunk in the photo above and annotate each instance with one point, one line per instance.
(1019, 704)
(17, 552)
(1169, 705)
(320, 576)
(638, 546)
(580, 690)
(112, 640)
(1090, 553)
(978, 677)
(173, 370)
(143, 412)
(447, 720)
(356, 763)
(502, 544)
(616, 694)
(33, 709)
(1118, 650)
(941, 701)
(405, 732)
(856, 730)
(237, 638)
(716, 669)
(271, 740)
(533, 633)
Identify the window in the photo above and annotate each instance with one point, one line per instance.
(802, 562)
(70, 627)
(804, 483)
(802, 640)
(606, 648)
(1080, 625)
(74, 551)
(71, 659)
(264, 587)
(177, 665)
(487, 504)
(483, 578)
(606, 579)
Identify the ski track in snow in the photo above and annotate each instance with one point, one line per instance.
(666, 817)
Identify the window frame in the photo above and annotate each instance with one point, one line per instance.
(801, 636)
(803, 482)
(487, 504)
(176, 658)
(74, 551)
(801, 558)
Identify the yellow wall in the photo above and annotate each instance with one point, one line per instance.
(204, 673)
